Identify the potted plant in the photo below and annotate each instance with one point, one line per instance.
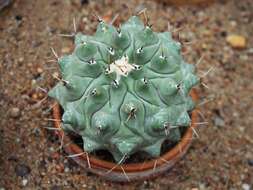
(127, 91)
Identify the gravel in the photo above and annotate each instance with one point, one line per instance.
(246, 186)
(219, 122)
(22, 170)
(25, 51)
(15, 112)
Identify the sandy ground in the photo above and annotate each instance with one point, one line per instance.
(222, 156)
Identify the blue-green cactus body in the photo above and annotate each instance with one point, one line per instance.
(125, 90)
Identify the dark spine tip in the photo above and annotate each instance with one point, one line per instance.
(111, 50)
(92, 61)
(133, 110)
(98, 18)
(163, 56)
(94, 92)
(139, 50)
(166, 125)
(65, 83)
(119, 30)
(137, 67)
(115, 83)
(178, 86)
(145, 80)
(107, 70)
(149, 25)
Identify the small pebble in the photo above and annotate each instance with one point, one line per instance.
(250, 51)
(83, 2)
(36, 132)
(24, 182)
(219, 122)
(56, 187)
(236, 41)
(21, 59)
(4, 4)
(66, 169)
(233, 23)
(39, 70)
(22, 170)
(60, 168)
(36, 44)
(250, 162)
(202, 186)
(33, 82)
(15, 112)
(12, 158)
(65, 50)
(35, 96)
(245, 186)
(55, 155)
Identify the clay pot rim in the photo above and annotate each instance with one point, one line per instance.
(95, 163)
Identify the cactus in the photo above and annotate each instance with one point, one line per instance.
(125, 90)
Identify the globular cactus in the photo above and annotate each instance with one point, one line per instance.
(125, 90)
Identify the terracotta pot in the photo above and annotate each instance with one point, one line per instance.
(126, 172)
